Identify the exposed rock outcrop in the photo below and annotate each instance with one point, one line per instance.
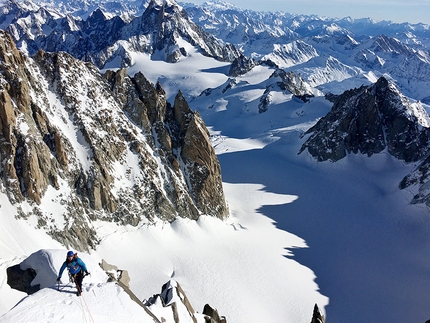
(371, 119)
(419, 178)
(286, 82)
(172, 295)
(21, 279)
(317, 317)
(212, 316)
(202, 166)
(115, 274)
(241, 65)
(107, 147)
(368, 120)
(171, 305)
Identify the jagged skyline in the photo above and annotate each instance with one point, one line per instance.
(397, 11)
(343, 235)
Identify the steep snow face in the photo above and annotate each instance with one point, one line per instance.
(414, 111)
(323, 71)
(417, 110)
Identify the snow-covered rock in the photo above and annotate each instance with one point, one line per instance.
(368, 120)
(100, 299)
(97, 146)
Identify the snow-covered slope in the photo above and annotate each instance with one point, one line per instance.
(101, 300)
(235, 261)
(342, 235)
(362, 234)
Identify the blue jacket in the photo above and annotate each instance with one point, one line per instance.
(75, 266)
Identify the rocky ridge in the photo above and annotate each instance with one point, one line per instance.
(369, 120)
(36, 273)
(285, 82)
(101, 37)
(107, 147)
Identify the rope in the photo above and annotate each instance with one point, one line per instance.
(84, 315)
(61, 288)
(82, 297)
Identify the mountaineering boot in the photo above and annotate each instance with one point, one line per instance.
(78, 293)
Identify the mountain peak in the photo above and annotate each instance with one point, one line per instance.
(368, 120)
(163, 4)
(97, 15)
(117, 118)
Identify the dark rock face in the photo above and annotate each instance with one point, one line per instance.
(21, 279)
(420, 178)
(110, 146)
(317, 317)
(172, 293)
(368, 120)
(212, 315)
(198, 155)
(241, 65)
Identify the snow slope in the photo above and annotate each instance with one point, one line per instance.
(341, 235)
(101, 301)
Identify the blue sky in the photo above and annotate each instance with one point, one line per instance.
(394, 10)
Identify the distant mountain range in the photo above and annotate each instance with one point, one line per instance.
(324, 51)
(82, 141)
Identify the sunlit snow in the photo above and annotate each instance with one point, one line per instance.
(341, 235)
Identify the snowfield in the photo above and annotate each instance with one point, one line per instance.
(341, 235)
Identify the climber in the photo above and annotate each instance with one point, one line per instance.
(77, 270)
